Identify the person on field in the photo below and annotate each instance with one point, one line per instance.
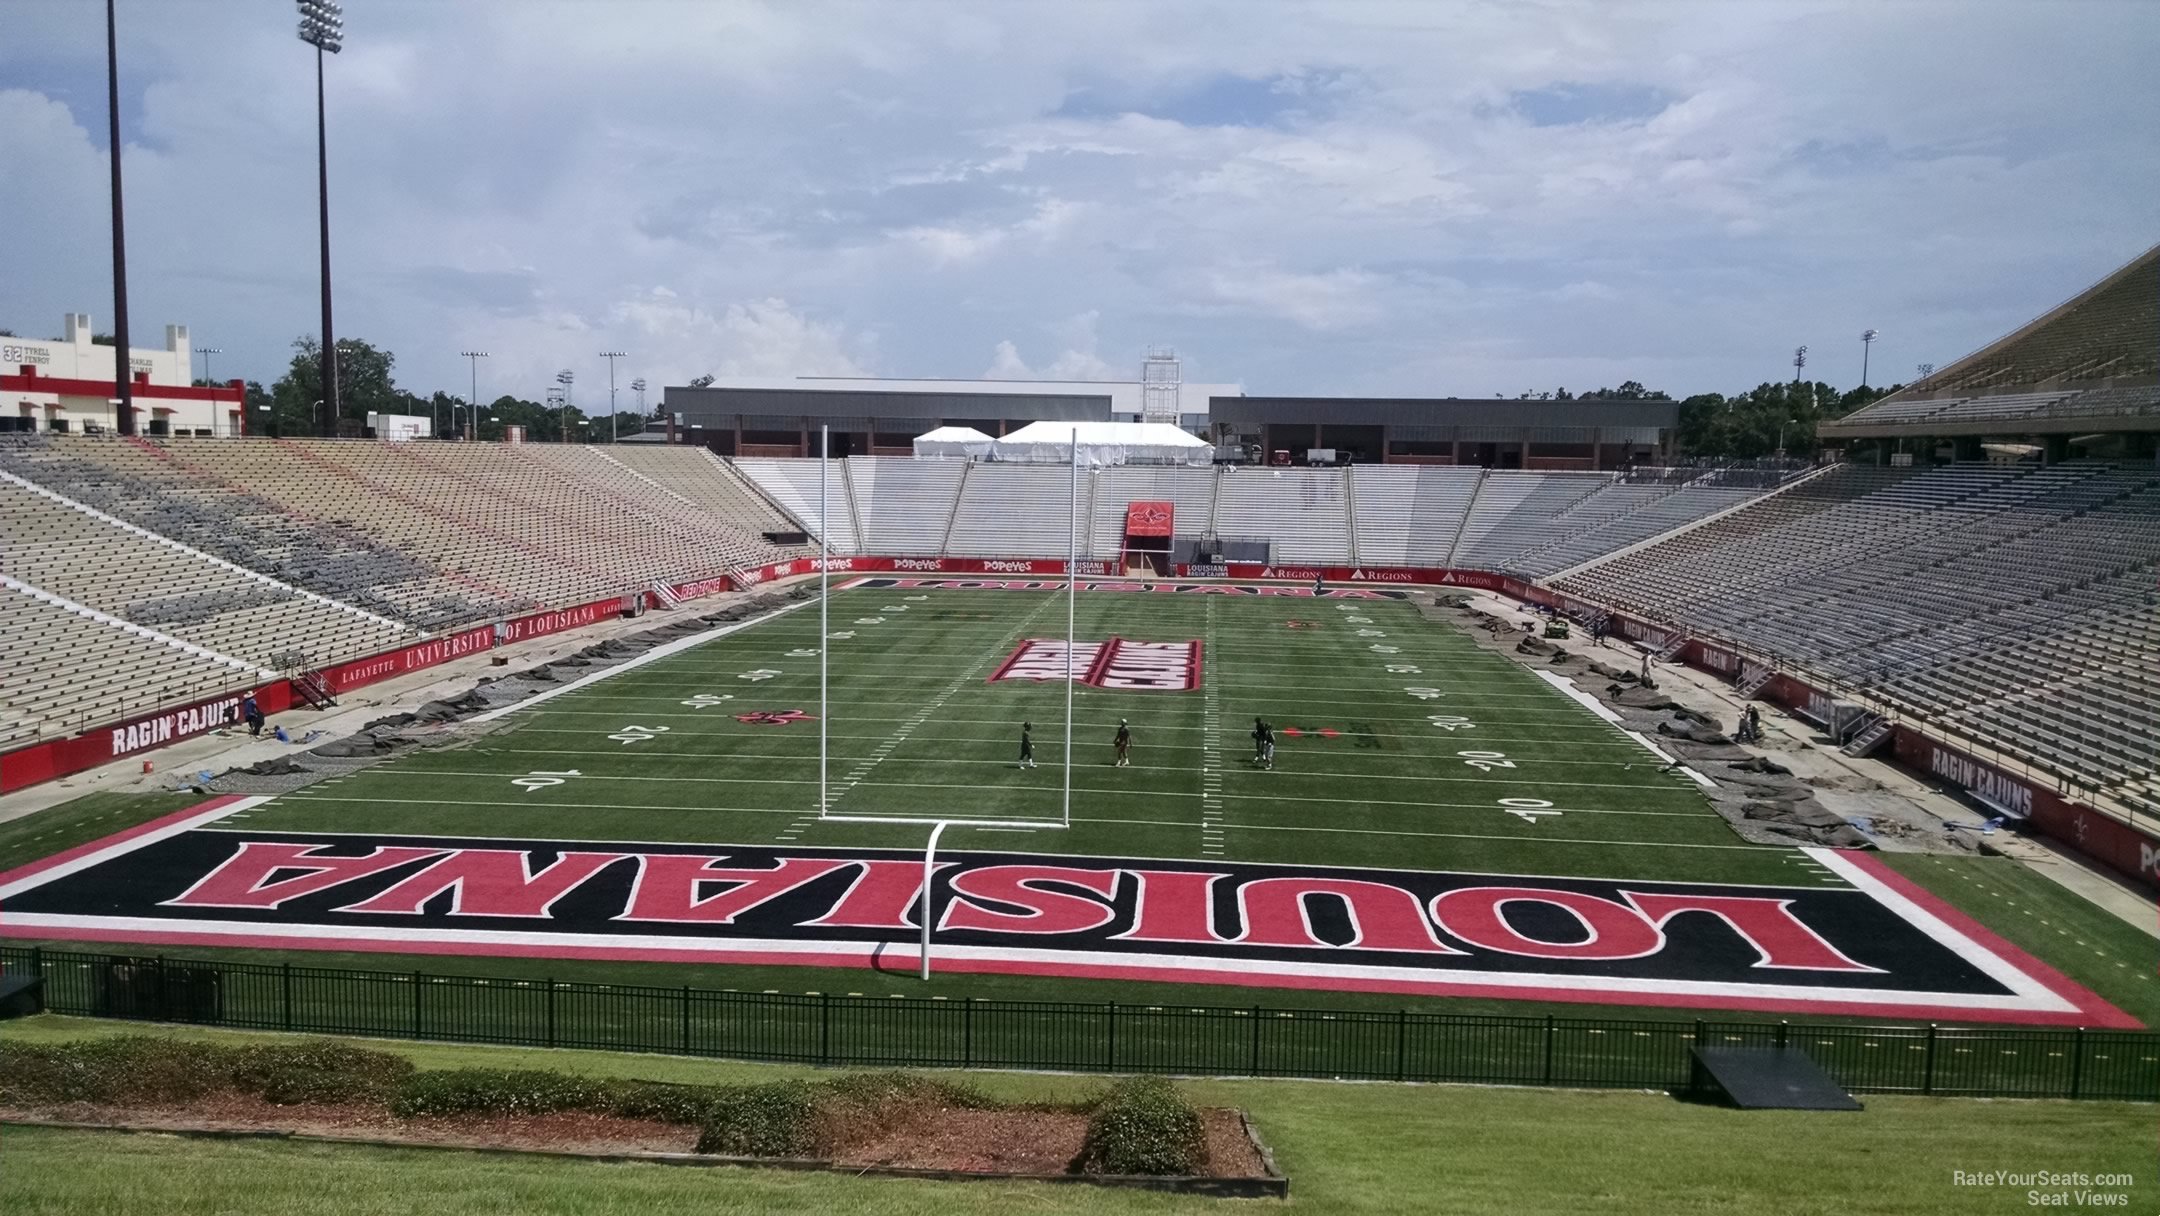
(252, 714)
(1263, 740)
(1319, 584)
(1124, 744)
(1027, 745)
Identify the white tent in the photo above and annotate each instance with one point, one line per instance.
(1104, 443)
(949, 441)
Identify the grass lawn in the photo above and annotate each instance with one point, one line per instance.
(1347, 1148)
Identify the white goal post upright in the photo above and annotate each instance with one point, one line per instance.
(1072, 606)
(937, 826)
(824, 601)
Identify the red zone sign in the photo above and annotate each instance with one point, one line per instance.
(1878, 945)
(1119, 663)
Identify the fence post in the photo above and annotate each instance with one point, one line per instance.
(2077, 1061)
(686, 1019)
(824, 1031)
(1111, 1064)
(1548, 1048)
(285, 991)
(416, 1004)
(1255, 1070)
(967, 1033)
(551, 1011)
(164, 993)
(1402, 1044)
(1782, 1027)
(37, 962)
(1927, 1074)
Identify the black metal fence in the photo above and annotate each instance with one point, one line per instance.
(1182, 1039)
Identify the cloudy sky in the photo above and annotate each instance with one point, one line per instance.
(1387, 197)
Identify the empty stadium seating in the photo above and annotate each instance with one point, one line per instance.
(63, 670)
(143, 580)
(2015, 603)
(1303, 513)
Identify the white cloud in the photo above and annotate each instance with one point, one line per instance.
(898, 189)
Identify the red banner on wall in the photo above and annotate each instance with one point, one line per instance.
(102, 745)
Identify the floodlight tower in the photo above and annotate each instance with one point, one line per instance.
(206, 352)
(472, 403)
(638, 386)
(565, 378)
(123, 379)
(1799, 362)
(322, 26)
(611, 356)
(1925, 370)
(1867, 345)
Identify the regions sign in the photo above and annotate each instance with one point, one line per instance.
(1058, 584)
(1118, 664)
(1873, 944)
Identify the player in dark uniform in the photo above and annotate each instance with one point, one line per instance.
(1124, 744)
(1263, 742)
(1027, 745)
(1319, 584)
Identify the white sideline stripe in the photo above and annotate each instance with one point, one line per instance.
(1577, 695)
(129, 845)
(662, 651)
(1568, 689)
(1438, 979)
(1998, 969)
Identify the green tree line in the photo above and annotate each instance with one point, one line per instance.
(367, 385)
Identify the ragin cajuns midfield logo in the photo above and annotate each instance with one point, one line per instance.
(1878, 946)
(1117, 663)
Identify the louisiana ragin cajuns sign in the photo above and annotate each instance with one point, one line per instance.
(1877, 945)
(1119, 663)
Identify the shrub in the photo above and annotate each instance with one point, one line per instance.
(1143, 1126)
(777, 1120)
(494, 1091)
(128, 1068)
(319, 1070)
(660, 1101)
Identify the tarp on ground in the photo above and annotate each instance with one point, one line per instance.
(1104, 443)
(950, 442)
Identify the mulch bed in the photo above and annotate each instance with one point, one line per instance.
(1015, 1141)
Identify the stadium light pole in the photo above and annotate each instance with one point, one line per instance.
(565, 378)
(638, 386)
(1867, 345)
(322, 26)
(611, 356)
(472, 403)
(123, 379)
(206, 352)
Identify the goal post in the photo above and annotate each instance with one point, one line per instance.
(938, 823)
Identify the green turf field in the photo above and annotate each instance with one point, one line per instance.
(914, 730)
(1402, 745)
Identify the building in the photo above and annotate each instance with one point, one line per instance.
(882, 418)
(1495, 433)
(783, 417)
(65, 386)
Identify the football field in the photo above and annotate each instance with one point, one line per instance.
(1438, 822)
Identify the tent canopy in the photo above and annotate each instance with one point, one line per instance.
(948, 441)
(1104, 443)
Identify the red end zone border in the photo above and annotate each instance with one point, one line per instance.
(2035, 993)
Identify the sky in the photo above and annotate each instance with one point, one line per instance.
(1417, 199)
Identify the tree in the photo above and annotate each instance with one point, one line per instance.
(364, 381)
